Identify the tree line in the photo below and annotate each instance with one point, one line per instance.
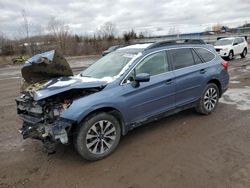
(59, 37)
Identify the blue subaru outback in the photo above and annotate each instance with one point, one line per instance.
(129, 87)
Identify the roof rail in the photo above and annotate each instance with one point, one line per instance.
(175, 42)
(218, 38)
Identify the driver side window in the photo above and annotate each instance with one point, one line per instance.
(154, 64)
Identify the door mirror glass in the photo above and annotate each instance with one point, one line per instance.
(142, 77)
(235, 43)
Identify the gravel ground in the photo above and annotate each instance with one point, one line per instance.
(183, 150)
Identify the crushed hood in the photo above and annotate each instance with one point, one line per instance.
(43, 67)
(62, 84)
(48, 74)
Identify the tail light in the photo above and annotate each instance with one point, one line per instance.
(225, 64)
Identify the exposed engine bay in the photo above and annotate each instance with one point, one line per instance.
(47, 92)
(41, 119)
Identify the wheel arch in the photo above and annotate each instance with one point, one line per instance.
(231, 50)
(245, 48)
(111, 110)
(217, 83)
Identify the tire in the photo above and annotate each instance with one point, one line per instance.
(98, 136)
(230, 55)
(244, 53)
(209, 99)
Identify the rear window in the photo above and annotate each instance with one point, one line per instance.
(182, 58)
(205, 54)
(197, 59)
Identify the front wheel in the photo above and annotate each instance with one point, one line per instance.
(98, 136)
(209, 99)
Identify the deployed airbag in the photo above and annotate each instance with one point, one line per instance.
(45, 66)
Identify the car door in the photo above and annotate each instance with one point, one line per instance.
(189, 75)
(236, 46)
(155, 96)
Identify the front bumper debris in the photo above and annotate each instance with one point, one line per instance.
(49, 134)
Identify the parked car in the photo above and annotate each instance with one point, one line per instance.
(111, 49)
(18, 60)
(121, 91)
(230, 47)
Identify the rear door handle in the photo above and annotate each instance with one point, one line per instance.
(202, 71)
(169, 81)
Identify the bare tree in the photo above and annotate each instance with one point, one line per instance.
(173, 31)
(2, 42)
(26, 27)
(60, 31)
(216, 27)
(2, 39)
(108, 30)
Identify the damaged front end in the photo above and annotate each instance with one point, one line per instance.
(41, 120)
(48, 90)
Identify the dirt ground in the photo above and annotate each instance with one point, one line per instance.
(183, 150)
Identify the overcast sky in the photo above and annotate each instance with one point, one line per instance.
(154, 17)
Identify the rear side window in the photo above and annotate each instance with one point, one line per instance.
(182, 58)
(205, 54)
(197, 59)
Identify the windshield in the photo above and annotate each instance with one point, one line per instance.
(108, 66)
(224, 42)
(112, 48)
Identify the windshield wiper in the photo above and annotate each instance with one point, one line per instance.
(85, 76)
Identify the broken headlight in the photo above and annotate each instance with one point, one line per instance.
(59, 109)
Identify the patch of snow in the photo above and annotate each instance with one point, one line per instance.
(234, 77)
(136, 46)
(88, 79)
(234, 82)
(237, 96)
(62, 83)
(15, 77)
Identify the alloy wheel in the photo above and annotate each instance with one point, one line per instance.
(210, 99)
(100, 137)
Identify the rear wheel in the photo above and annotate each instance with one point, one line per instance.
(209, 99)
(98, 136)
(231, 55)
(244, 53)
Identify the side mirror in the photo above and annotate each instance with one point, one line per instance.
(235, 44)
(142, 77)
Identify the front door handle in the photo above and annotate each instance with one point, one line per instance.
(202, 71)
(169, 81)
